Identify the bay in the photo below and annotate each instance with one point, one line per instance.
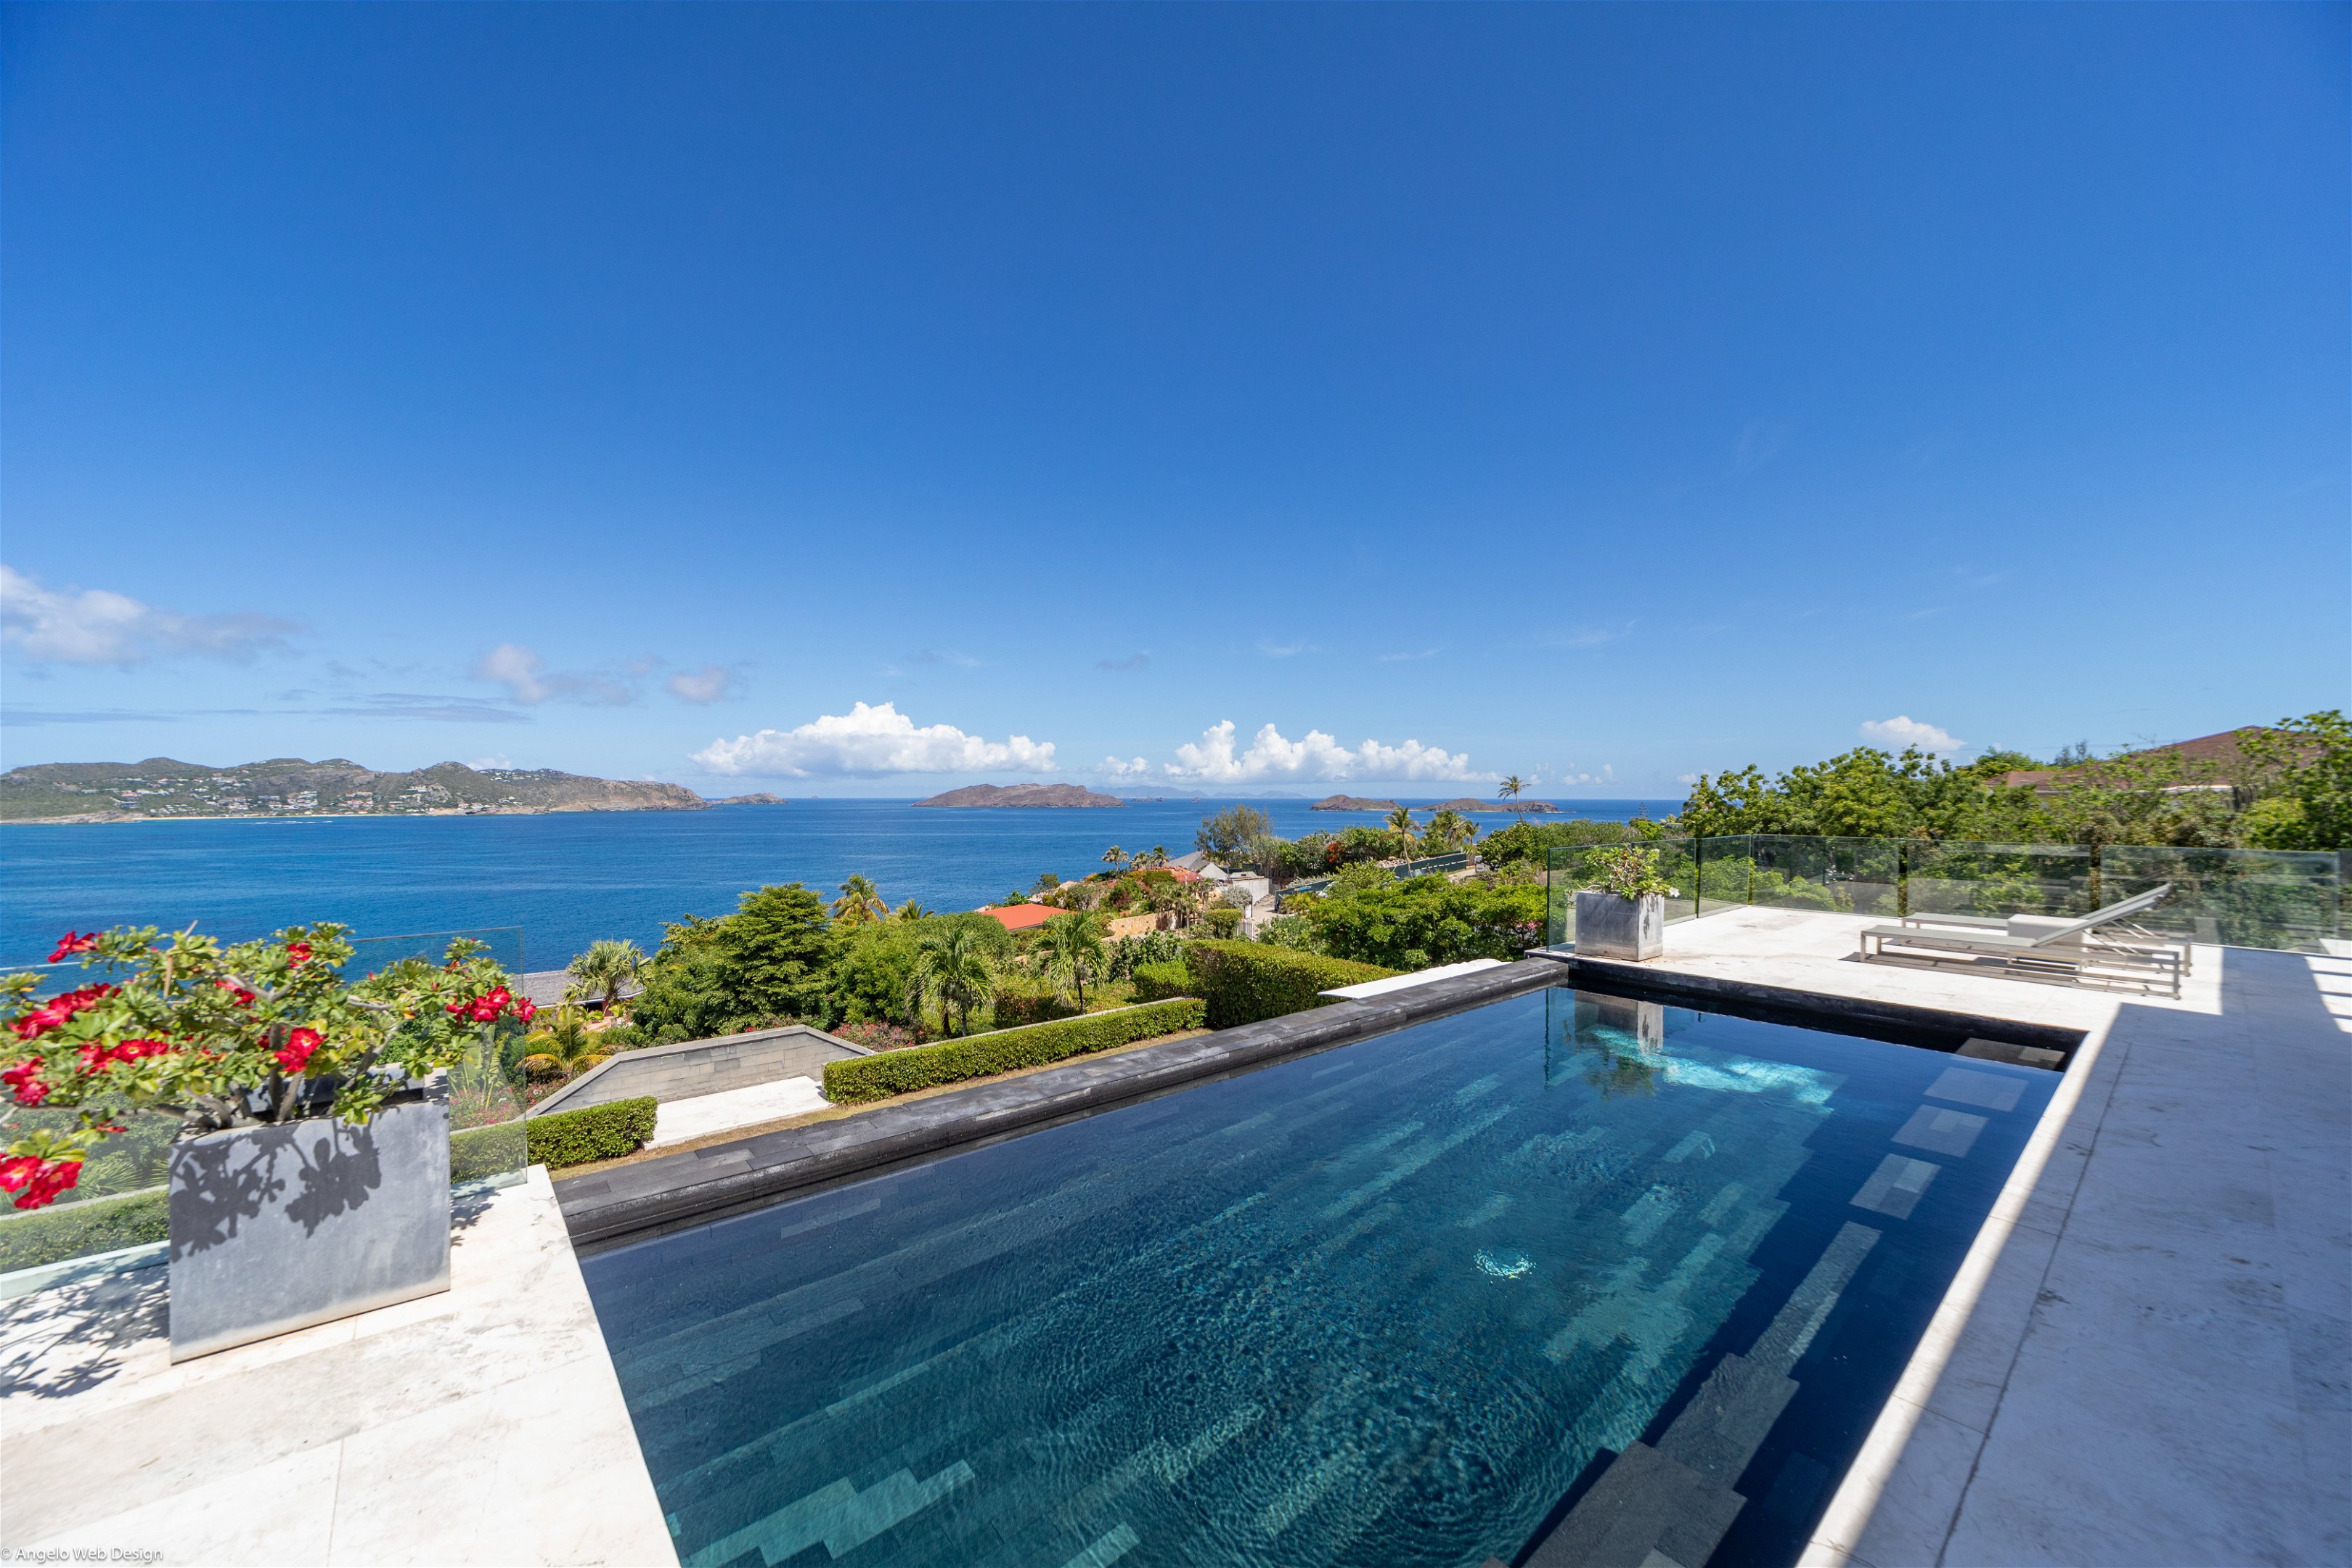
(567, 879)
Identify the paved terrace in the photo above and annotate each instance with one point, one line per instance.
(482, 1426)
(2147, 1357)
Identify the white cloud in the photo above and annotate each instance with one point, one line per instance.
(1407, 658)
(93, 625)
(1904, 730)
(1687, 778)
(1213, 759)
(495, 760)
(704, 686)
(528, 681)
(870, 742)
(1135, 769)
(1273, 649)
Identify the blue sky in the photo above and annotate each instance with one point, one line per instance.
(853, 400)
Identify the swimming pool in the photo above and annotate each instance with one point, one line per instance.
(1565, 1266)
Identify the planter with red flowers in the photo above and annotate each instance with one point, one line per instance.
(310, 1179)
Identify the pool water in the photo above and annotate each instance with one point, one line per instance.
(1565, 1263)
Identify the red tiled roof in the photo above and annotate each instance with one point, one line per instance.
(1020, 917)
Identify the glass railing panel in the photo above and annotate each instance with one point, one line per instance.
(1727, 869)
(2279, 898)
(1969, 878)
(1567, 869)
(1841, 876)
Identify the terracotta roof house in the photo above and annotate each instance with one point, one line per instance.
(2220, 751)
(1019, 917)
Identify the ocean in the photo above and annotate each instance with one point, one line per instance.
(568, 880)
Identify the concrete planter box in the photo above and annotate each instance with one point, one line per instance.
(276, 1228)
(1609, 927)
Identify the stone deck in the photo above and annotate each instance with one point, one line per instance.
(2147, 1357)
(481, 1425)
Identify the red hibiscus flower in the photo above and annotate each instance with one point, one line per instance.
(24, 1080)
(526, 1009)
(58, 1010)
(40, 1179)
(298, 954)
(69, 944)
(298, 1049)
(236, 993)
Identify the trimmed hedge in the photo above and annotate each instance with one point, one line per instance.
(476, 1152)
(1159, 982)
(1243, 981)
(598, 1132)
(1020, 1002)
(76, 1229)
(924, 1066)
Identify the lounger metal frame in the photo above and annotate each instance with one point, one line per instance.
(2081, 951)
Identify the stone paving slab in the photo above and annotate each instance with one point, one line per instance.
(484, 1424)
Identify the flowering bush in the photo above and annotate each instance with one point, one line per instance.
(257, 1033)
(1629, 873)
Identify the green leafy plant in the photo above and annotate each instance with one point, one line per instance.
(954, 965)
(1003, 1050)
(257, 1033)
(564, 1047)
(1628, 872)
(1071, 946)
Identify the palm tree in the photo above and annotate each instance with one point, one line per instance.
(860, 902)
(1450, 831)
(563, 1047)
(910, 910)
(1115, 858)
(1072, 947)
(1401, 823)
(604, 971)
(953, 966)
(1511, 788)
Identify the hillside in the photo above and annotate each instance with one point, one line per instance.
(288, 786)
(1029, 795)
(1352, 803)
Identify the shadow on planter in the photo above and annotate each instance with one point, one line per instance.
(275, 1229)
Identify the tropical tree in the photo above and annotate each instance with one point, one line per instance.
(1401, 823)
(1234, 837)
(604, 971)
(859, 904)
(1511, 788)
(1449, 831)
(910, 910)
(1115, 858)
(563, 1047)
(954, 967)
(1072, 947)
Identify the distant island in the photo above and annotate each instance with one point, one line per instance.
(288, 786)
(1470, 803)
(762, 798)
(1352, 803)
(1030, 795)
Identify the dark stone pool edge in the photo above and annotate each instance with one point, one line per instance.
(1811, 1009)
(633, 1203)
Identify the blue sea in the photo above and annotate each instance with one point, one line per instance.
(567, 880)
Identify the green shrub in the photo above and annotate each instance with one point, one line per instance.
(1224, 921)
(477, 1153)
(1242, 981)
(1020, 1002)
(1003, 1050)
(77, 1229)
(1159, 982)
(598, 1132)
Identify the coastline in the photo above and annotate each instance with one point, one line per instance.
(122, 819)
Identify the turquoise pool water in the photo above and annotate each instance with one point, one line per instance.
(1428, 1298)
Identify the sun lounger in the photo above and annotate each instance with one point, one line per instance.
(2075, 952)
(2113, 922)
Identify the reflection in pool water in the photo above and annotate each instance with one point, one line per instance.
(1233, 1325)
